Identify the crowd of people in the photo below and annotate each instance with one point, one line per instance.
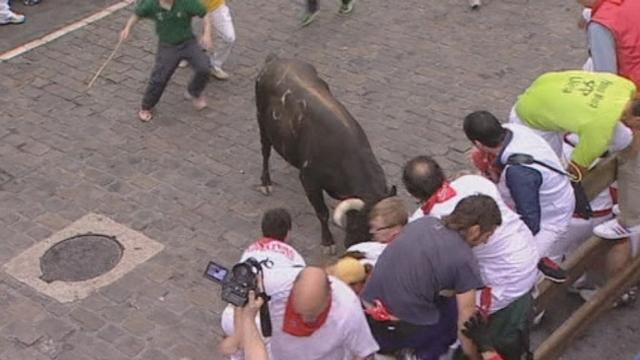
(457, 278)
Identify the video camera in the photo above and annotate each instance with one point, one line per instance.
(237, 283)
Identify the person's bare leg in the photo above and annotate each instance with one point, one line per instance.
(618, 257)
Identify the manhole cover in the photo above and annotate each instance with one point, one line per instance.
(80, 258)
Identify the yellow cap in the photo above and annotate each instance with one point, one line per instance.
(348, 270)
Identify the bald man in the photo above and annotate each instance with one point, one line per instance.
(316, 315)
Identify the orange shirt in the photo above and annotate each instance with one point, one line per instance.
(212, 4)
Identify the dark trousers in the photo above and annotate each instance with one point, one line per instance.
(167, 59)
(312, 5)
(428, 341)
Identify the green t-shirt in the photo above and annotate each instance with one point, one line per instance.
(589, 104)
(172, 26)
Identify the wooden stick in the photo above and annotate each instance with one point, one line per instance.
(105, 64)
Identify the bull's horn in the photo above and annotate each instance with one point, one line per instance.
(345, 206)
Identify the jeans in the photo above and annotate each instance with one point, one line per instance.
(167, 59)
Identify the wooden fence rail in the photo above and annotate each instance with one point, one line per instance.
(596, 181)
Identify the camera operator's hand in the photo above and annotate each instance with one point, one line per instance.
(253, 305)
(477, 329)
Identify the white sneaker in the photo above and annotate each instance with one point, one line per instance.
(474, 4)
(13, 19)
(183, 64)
(218, 73)
(613, 230)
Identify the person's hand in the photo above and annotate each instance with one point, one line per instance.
(124, 34)
(253, 305)
(206, 42)
(582, 23)
(477, 329)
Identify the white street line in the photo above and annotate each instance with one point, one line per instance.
(65, 30)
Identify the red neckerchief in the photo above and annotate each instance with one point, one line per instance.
(294, 325)
(378, 311)
(444, 193)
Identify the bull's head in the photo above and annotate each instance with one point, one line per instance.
(353, 216)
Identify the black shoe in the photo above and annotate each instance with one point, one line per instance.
(551, 270)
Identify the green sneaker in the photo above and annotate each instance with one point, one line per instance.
(308, 18)
(346, 9)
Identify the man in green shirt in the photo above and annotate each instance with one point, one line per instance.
(603, 110)
(175, 42)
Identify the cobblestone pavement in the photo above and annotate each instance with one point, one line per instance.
(407, 70)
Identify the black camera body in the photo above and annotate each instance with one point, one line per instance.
(242, 278)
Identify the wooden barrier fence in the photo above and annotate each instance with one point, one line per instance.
(596, 181)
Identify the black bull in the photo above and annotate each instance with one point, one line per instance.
(299, 117)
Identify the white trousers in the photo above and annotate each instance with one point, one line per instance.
(551, 243)
(225, 34)
(5, 11)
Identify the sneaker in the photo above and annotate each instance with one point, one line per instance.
(474, 4)
(183, 64)
(613, 230)
(628, 298)
(13, 19)
(551, 270)
(537, 318)
(219, 74)
(587, 294)
(346, 9)
(308, 18)
(581, 283)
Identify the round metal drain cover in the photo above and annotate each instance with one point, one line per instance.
(80, 258)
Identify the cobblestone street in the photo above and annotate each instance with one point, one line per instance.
(408, 71)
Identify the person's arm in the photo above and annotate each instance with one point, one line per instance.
(476, 329)
(124, 34)
(231, 344)
(252, 344)
(524, 185)
(206, 41)
(466, 309)
(603, 48)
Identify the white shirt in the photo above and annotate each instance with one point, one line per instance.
(278, 252)
(557, 201)
(508, 261)
(370, 249)
(344, 335)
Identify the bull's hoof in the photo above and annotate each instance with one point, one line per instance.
(329, 250)
(265, 190)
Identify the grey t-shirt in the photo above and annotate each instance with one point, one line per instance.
(425, 259)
